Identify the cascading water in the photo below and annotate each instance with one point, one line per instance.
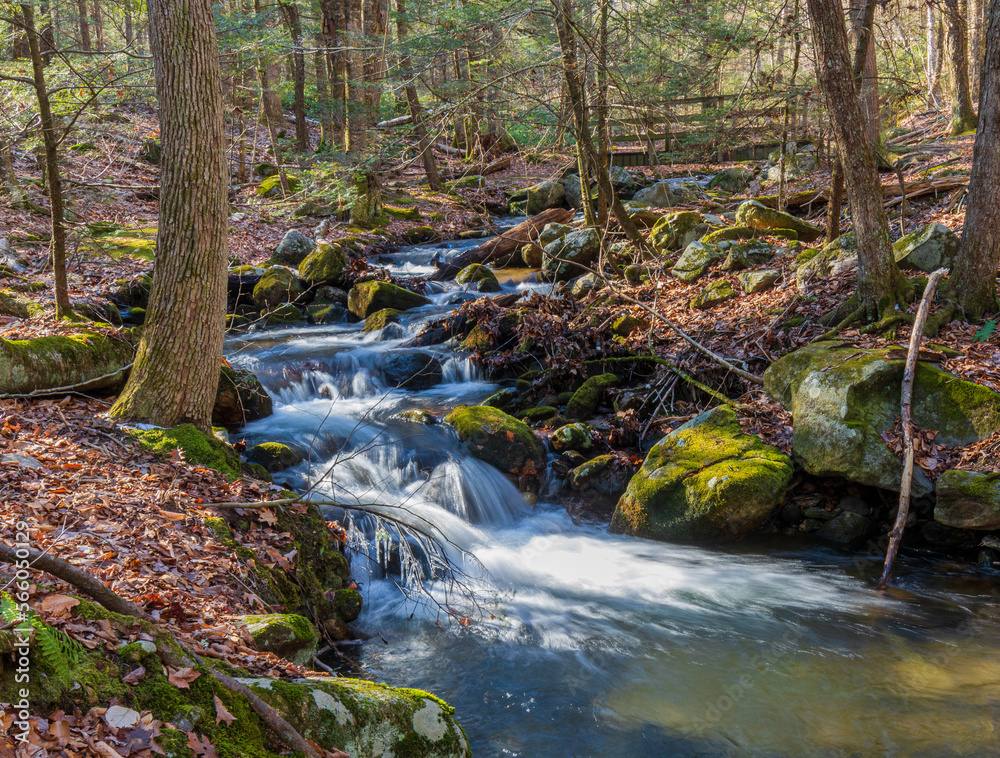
(588, 644)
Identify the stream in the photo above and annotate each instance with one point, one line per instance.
(591, 644)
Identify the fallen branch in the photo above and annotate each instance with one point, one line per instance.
(70, 389)
(906, 401)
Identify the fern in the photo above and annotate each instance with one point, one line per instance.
(58, 652)
(986, 332)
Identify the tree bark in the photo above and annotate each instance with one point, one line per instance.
(81, 8)
(334, 33)
(863, 28)
(975, 25)
(176, 372)
(974, 275)
(321, 62)
(880, 283)
(51, 142)
(935, 39)
(290, 12)
(358, 124)
(413, 101)
(963, 117)
(98, 26)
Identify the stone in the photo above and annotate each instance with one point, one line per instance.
(644, 219)
(759, 216)
(532, 255)
(499, 439)
(505, 399)
(365, 718)
(240, 398)
(284, 315)
(694, 261)
(581, 247)
(741, 255)
(545, 195)
(675, 231)
(657, 195)
(730, 234)
(622, 180)
(271, 186)
(584, 285)
(928, 248)
(572, 437)
(552, 232)
(839, 255)
(17, 305)
(574, 193)
(326, 263)
(968, 499)
(796, 165)
(273, 456)
(538, 413)
(623, 326)
(733, 179)
(601, 481)
(348, 604)
(843, 399)
(415, 416)
(277, 286)
(86, 360)
(477, 273)
(846, 528)
(379, 319)
(713, 294)
(583, 405)
(367, 297)
(706, 481)
(413, 371)
(325, 312)
(758, 281)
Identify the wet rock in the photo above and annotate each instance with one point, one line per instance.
(240, 398)
(572, 437)
(538, 414)
(504, 399)
(325, 312)
(326, 263)
(846, 528)
(284, 315)
(714, 294)
(416, 416)
(332, 294)
(677, 230)
(705, 481)
(584, 403)
(759, 216)
(274, 456)
(392, 332)
(412, 371)
(600, 481)
(843, 398)
(366, 298)
(287, 635)
(927, 249)
(277, 286)
(380, 319)
(293, 249)
(499, 439)
(477, 273)
(968, 499)
(758, 281)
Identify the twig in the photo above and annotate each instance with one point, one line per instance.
(68, 389)
(906, 400)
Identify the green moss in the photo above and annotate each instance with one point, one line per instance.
(475, 272)
(584, 403)
(366, 298)
(86, 359)
(198, 447)
(406, 214)
(540, 413)
(271, 186)
(502, 440)
(730, 233)
(325, 263)
(348, 603)
(379, 319)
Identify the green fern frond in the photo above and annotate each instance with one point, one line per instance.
(58, 652)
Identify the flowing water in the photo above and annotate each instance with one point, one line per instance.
(590, 644)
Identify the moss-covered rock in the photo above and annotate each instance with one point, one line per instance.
(741, 255)
(197, 447)
(601, 481)
(705, 481)
(366, 298)
(552, 232)
(839, 255)
(928, 248)
(88, 361)
(415, 416)
(366, 719)
(572, 437)
(288, 635)
(476, 273)
(278, 285)
(695, 260)
(758, 281)
(730, 234)
(240, 398)
(583, 405)
(532, 255)
(676, 230)
(759, 216)
(505, 399)
(326, 312)
(273, 456)
(324, 264)
(379, 319)
(714, 294)
(968, 499)
(348, 603)
(271, 186)
(284, 315)
(18, 306)
(732, 179)
(537, 414)
(501, 440)
(559, 258)
(539, 197)
(843, 399)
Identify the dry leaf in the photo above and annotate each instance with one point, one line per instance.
(119, 717)
(201, 746)
(135, 675)
(182, 678)
(268, 517)
(57, 606)
(222, 713)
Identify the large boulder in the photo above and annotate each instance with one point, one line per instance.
(412, 371)
(601, 481)
(326, 263)
(274, 456)
(240, 398)
(499, 439)
(86, 361)
(367, 297)
(656, 196)
(552, 232)
(293, 248)
(676, 230)
(843, 399)
(278, 285)
(287, 635)
(831, 260)
(574, 192)
(796, 165)
(545, 195)
(759, 216)
(733, 179)
(927, 249)
(705, 481)
(968, 499)
(695, 260)
(579, 247)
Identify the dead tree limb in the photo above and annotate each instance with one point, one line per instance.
(906, 402)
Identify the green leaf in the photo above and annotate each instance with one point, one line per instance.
(986, 332)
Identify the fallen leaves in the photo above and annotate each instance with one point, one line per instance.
(182, 677)
(222, 713)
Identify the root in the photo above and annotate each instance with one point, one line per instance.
(856, 316)
(888, 325)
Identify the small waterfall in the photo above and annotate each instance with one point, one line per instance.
(460, 369)
(475, 491)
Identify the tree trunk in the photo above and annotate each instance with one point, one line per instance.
(375, 25)
(51, 141)
(975, 25)
(963, 117)
(935, 38)
(862, 32)
(81, 8)
(333, 35)
(358, 123)
(290, 12)
(603, 136)
(413, 101)
(321, 63)
(880, 284)
(98, 26)
(176, 371)
(974, 275)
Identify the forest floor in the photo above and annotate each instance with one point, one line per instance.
(136, 519)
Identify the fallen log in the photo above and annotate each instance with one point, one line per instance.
(481, 169)
(919, 189)
(398, 121)
(504, 244)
